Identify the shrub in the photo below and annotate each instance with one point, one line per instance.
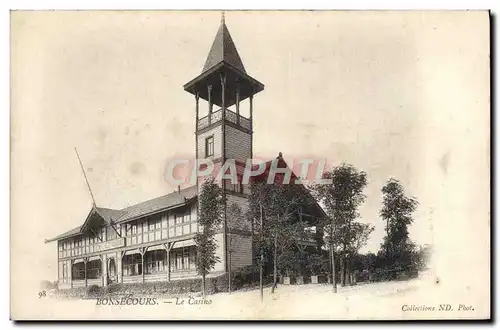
(48, 285)
(93, 291)
(217, 284)
(249, 276)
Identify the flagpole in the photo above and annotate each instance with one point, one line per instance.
(86, 180)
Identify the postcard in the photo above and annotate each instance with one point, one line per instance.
(250, 165)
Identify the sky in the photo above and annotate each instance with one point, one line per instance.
(383, 91)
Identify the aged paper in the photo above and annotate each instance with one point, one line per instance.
(397, 94)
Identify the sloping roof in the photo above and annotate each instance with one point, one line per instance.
(223, 50)
(134, 211)
(109, 214)
(315, 207)
(69, 233)
(171, 200)
(159, 203)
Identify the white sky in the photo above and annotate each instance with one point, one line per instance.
(382, 91)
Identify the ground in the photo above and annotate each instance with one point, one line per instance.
(382, 300)
(312, 301)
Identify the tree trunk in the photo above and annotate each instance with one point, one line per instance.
(334, 279)
(275, 275)
(261, 261)
(229, 275)
(342, 271)
(261, 277)
(203, 285)
(348, 270)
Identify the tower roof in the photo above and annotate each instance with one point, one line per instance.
(223, 60)
(223, 50)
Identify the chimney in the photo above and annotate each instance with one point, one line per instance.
(179, 189)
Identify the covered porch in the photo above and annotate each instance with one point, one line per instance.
(164, 262)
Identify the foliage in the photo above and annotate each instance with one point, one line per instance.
(210, 218)
(423, 256)
(236, 221)
(342, 198)
(94, 290)
(281, 229)
(397, 249)
(162, 288)
(48, 285)
(364, 262)
(249, 276)
(360, 233)
(317, 263)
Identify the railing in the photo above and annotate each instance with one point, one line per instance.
(230, 116)
(107, 245)
(308, 239)
(245, 122)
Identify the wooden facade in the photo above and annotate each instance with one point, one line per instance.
(153, 241)
(156, 247)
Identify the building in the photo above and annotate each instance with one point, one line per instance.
(153, 240)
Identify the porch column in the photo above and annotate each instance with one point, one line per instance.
(143, 251)
(71, 273)
(209, 104)
(223, 87)
(168, 247)
(85, 260)
(251, 106)
(104, 269)
(238, 104)
(197, 99)
(119, 266)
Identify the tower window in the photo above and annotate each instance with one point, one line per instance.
(209, 146)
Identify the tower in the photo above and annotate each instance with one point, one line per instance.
(224, 133)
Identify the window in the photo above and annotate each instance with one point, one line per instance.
(187, 216)
(154, 223)
(155, 261)
(132, 265)
(94, 269)
(79, 270)
(185, 256)
(64, 271)
(192, 258)
(238, 187)
(209, 146)
(184, 259)
(111, 233)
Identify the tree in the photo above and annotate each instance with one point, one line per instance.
(210, 218)
(397, 248)
(279, 229)
(236, 221)
(341, 198)
(360, 235)
(369, 261)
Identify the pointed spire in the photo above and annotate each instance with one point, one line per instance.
(223, 49)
